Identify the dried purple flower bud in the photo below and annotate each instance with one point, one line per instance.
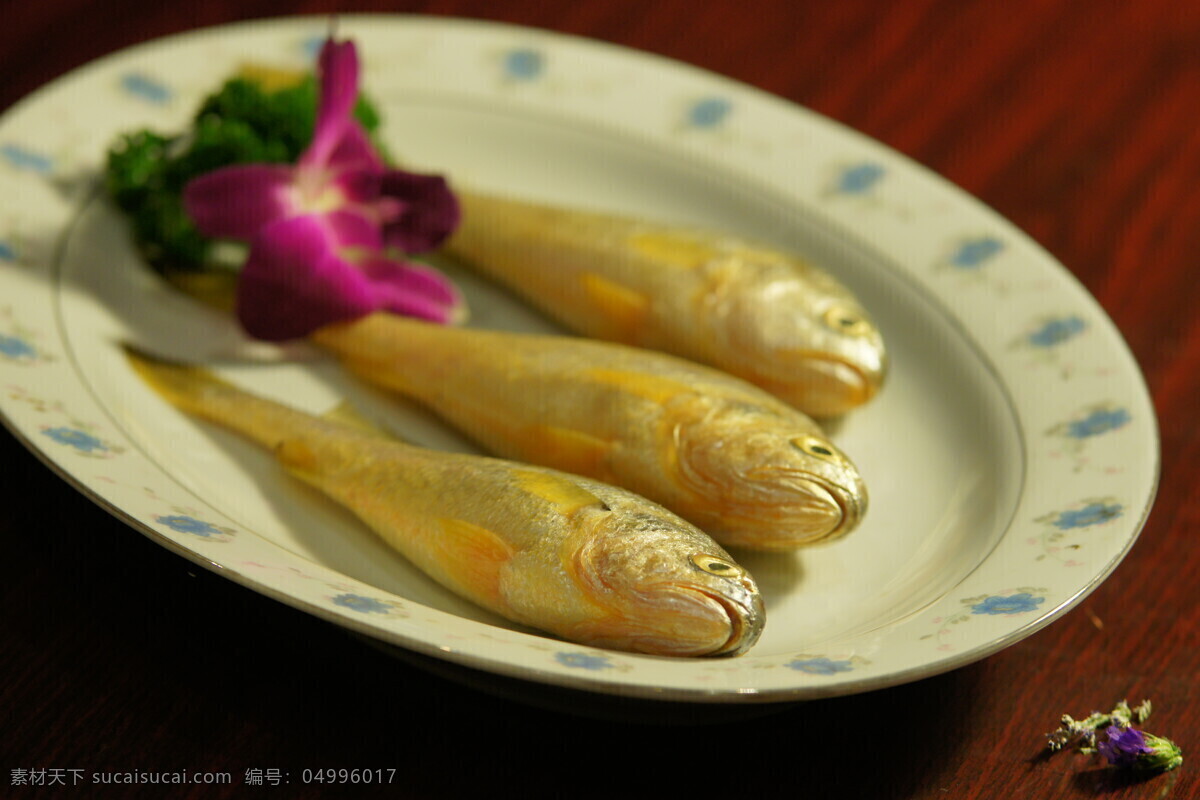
(1129, 748)
(1124, 746)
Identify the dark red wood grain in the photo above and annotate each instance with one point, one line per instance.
(1080, 122)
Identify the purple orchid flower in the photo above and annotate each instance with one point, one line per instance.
(322, 231)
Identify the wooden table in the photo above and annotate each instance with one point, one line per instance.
(1079, 122)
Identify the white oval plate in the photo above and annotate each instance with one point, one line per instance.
(1011, 461)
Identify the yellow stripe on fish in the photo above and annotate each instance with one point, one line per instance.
(566, 497)
(714, 449)
(646, 385)
(625, 309)
(568, 555)
(671, 250)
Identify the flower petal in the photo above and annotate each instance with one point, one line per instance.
(295, 281)
(337, 74)
(429, 210)
(358, 187)
(235, 202)
(413, 290)
(350, 230)
(353, 151)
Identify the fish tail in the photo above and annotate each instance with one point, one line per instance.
(199, 392)
(187, 387)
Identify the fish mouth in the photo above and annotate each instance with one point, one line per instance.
(741, 619)
(851, 506)
(821, 512)
(745, 623)
(828, 386)
(842, 385)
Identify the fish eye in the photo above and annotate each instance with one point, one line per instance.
(715, 565)
(815, 447)
(843, 320)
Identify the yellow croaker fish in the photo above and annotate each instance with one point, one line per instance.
(765, 316)
(742, 465)
(577, 558)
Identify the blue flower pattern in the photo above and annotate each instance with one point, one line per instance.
(8, 252)
(24, 158)
(1056, 331)
(1099, 421)
(1092, 514)
(587, 661)
(361, 604)
(196, 527)
(523, 64)
(1012, 604)
(859, 179)
(974, 253)
(708, 112)
(146, 88)
(819, 666)
(80, 440)
(16, 349)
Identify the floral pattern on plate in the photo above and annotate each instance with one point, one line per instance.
(1064, 533)
(1009, 603)
(18, 343)
(185, 523)
(1050, 341)
(857, 179)
(823, 665)
(346, 595)
(24, 157)
(575, 659)
(1074, 435)
(147, 88)
(66, 431)
(364, 604)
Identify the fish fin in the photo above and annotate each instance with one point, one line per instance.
(472, 557)
(624, 309)
(570, 450)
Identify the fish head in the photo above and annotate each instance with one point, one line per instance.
(766, 481)
(807, 337)
(665, 587)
